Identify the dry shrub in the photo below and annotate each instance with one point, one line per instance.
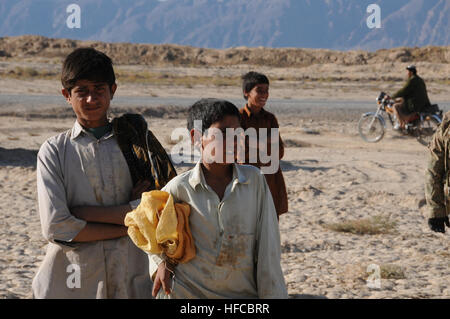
(386, 271)
(391, 271)
(296, 143)
(188, 81)
(29, 72)
(366, 226)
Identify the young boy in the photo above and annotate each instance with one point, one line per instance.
(233, 220)
(85, 179)
(256, 91)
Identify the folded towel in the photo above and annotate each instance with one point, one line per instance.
(158, 226)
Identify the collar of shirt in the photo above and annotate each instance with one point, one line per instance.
(197, 177)
(249, 113)
(77, 129)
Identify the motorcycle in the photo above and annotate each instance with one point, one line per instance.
(372, 125)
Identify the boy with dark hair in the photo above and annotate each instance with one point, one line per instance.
(255, 87)
(233, 219)
(87, 179)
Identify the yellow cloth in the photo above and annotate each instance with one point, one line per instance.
(158, 225)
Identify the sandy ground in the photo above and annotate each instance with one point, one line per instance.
(331, 174)
(334, 176)
(318, 81)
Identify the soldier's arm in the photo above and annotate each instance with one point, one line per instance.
(435, 176)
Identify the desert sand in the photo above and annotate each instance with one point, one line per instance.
(333, 178)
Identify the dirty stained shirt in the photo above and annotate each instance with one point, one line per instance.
(76, 169)
(237, 239)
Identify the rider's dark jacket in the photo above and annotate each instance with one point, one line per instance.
(437, 175)
(415, 94)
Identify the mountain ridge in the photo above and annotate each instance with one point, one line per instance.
(338, 24)
(23, 47)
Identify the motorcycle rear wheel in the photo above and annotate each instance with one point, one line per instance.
(426, 130)
(371, 128)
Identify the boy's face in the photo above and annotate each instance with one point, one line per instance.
(211, 144)
(257, 97)
(90, 101)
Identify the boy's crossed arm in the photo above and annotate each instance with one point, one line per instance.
(95, 232)
(106, 222)
(113, 215)
(63, 224)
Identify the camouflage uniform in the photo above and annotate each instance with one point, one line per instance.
(437, 174)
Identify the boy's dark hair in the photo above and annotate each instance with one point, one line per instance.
(210, 111)
(87, 64)
(252, 79)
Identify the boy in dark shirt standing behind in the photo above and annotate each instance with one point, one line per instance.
(255, 87)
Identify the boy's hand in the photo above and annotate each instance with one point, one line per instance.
(162, 278)
(141, 187)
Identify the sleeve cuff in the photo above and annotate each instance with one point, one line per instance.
(154, 261)
(65, 239)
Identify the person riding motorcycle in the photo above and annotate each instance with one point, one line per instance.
(412, 98)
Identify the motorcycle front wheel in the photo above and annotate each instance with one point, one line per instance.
(426, 130)
(371, 128)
